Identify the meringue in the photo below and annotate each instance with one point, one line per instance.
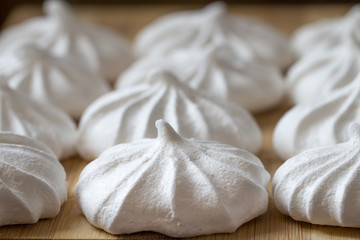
(60, 31)
(172, 185)
(321, 123)
(322, 185)
(317, 75)
(249, 39)
(60, 81)
(32, 181)
(129, 114)
(218, 71)
(327, 34)
(49, 125)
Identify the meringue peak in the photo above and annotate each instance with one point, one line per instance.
(215, 10)
(166, 132)
(58, 9)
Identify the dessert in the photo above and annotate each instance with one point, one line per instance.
(32, 181)
(59, 81)
(327, 34)
(129, 114)
(316, 75)
(60, 31)
(47, 124)
(322, 185)
(320, 123)
(218, 71)
(172, 185)
(250, 39)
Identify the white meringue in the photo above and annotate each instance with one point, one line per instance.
(64, 34)
(32, 181)
(322, 185)
(172, 185)
(129, 114)
(327, 34)
(59, 81)
(317, 75)
(49, 125)
(249, 39)
(216, 70)
(321, 123)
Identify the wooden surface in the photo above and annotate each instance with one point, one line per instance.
(70, 223)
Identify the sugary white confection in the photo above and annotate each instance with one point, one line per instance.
(327, 34)
(64, 34)
(32, 181)
(322, 185)
(49, 125)
(218, 71)
(321, 123)
(172, 185)
(60, 81)
(248, 38)
(130, 113)
(316, 75)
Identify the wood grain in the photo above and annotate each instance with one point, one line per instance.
(71, 224)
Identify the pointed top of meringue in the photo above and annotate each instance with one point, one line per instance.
(58, 8)
(166, 132)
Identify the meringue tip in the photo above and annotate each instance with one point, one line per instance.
(56, 7)
(165, 131)
(216, 9)
(162, 75)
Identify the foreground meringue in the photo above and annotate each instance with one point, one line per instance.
(22, 115)
(317, 75)
(249, 39)
(64, 34)
(327, 34)
(322, 123)
(32, 181)
(322, 185)
(172, 185)
(129, 114)
(217, 71)
(59, 81)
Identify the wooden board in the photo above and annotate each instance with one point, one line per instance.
(71, 224)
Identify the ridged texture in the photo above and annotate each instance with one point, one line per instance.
(59, 81)
(64, 34)
(32, 181)
(49, 125)
(317, 75)
(215, 70)
(130, 113)
(321, 123)
(248, 38)
(327, 34)
(175, 186)
(322, 185)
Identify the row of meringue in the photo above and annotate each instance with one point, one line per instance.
(227, 67)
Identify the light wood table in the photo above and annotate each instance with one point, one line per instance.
(70, 223)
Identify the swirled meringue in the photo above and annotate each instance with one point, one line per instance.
(322, 185)
(172, 185)
(218, 71)
(327, 34)
(59, 81)
(64, 34)
(49, 125)
(317, 75)
(32, 181)
(129, 114)
(322, 123)
(249, 39)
